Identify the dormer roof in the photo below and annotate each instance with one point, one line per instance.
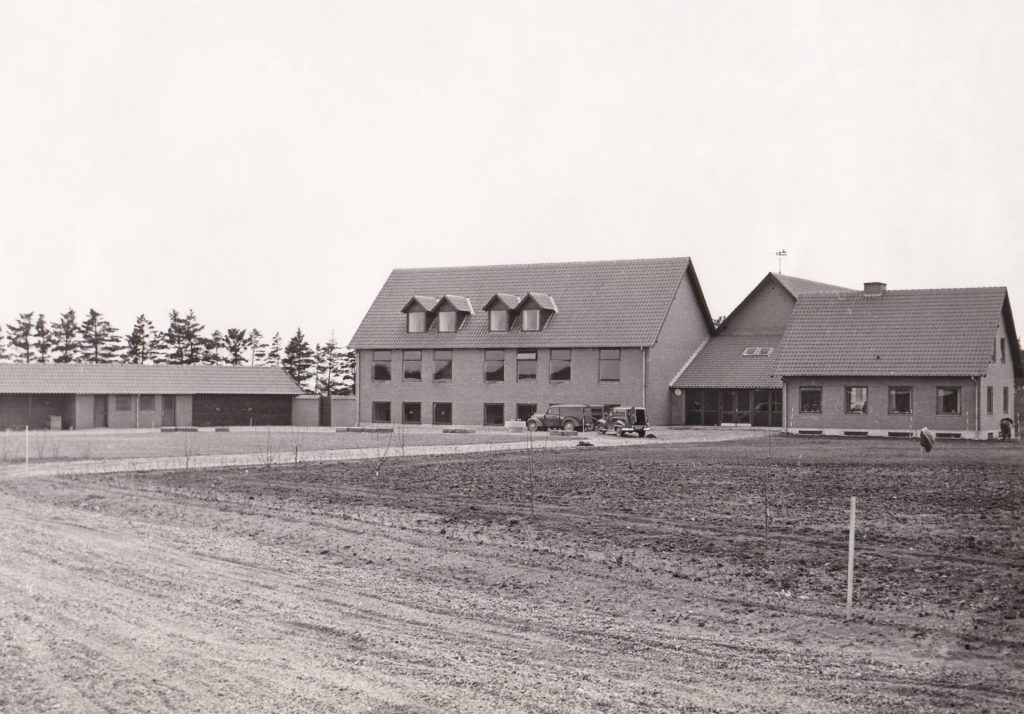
(503, 301)
(427, 304)
(541, 300)
(461, 304)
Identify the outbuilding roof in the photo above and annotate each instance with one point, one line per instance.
(721, 364)
(34, 378)
(616, 303)
(945, 333)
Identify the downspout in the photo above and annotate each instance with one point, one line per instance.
(977, 407)
(355, 387)
(643, 373)
(138, 403)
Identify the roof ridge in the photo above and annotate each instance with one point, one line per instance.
(542, 264)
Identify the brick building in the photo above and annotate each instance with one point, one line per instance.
(487, 344)
(731, 379)
(83, 396)
(889, 362)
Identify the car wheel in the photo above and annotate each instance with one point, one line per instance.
(532, 426)
(640, 433)
(568, 425)
(618, 430)
(602, 429)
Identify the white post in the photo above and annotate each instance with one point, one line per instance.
(26, 446)
(849, 566)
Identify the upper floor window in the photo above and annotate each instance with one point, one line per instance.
(494, 365)
(499, 320)
(531, 319)
(380, 368)
(412, 365)
(947, 400)
(561, 365)
(609, 365)
(526, 365)
(1002, 349)
(417, 321)
(442, 365)
(447, 321)
(856, 400)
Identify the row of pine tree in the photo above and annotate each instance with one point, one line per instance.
(322, 369)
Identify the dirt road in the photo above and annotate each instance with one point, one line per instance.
(637, 584)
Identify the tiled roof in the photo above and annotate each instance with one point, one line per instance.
(143, 379)
(509, 301)
(945, 333)
(544, 302)
(799, 286)
(619, 303)
(423, 301)
(721, 364)
(460, 303)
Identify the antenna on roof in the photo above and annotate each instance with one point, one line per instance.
(780, 254)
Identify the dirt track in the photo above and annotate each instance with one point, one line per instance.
(637, 584)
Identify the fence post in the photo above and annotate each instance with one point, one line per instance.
(849, 565)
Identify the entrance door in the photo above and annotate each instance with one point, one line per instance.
(99, 410)
(167, 417)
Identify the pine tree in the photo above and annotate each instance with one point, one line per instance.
(3, 345)
(184, 338)
(274, 354)
(67, 345)
(20, 336)
(236, 342)
(45, 339)
(257, 347)
(298, 360)
(346, 371)
(329, 377)
(100, 341)
(145, 343)
(213, 348)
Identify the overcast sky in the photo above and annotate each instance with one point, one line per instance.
(268, 163)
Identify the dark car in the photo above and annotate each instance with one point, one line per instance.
(625, 420)
(568, 417)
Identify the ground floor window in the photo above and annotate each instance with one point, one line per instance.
(990, 399)
(494, 414)
(856, 400)
(123, 403)
(900, 400)
(410, 412)
(947, 400)
(810, 400)
(442, 412)
(382, 412)
(525, 411)
(1006, 400)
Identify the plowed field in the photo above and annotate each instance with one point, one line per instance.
(628, 579)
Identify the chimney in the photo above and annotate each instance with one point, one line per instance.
(874, 288)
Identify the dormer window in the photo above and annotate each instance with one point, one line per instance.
(447, 321)
(531, 320)
(534, 311)
(499, 320)
(417, 322)
(501, 311)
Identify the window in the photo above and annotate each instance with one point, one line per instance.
(381, 367)
(856, 400)
(442, 412)
(526, 365)
(494, 414)
(1002, 349)
(499, 320)
(122, 403)
(410, 412)
(525, 411)
(531, 319)
(900, 400)
(561, 365)
(758, 351)
(412, 365)
(494, 365)
(447, 321)
(990, 399)
(993, 349)
(381, 412)
(1006, 400)
(810, 400)
(608, 365)
(417, 321)
(442, 365)
(147, 402)
(947, 400)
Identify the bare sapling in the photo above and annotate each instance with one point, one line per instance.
(764, 494)
(189, 447)
(298, 437)
(265, 448)
(533, 477)
(381, 453)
